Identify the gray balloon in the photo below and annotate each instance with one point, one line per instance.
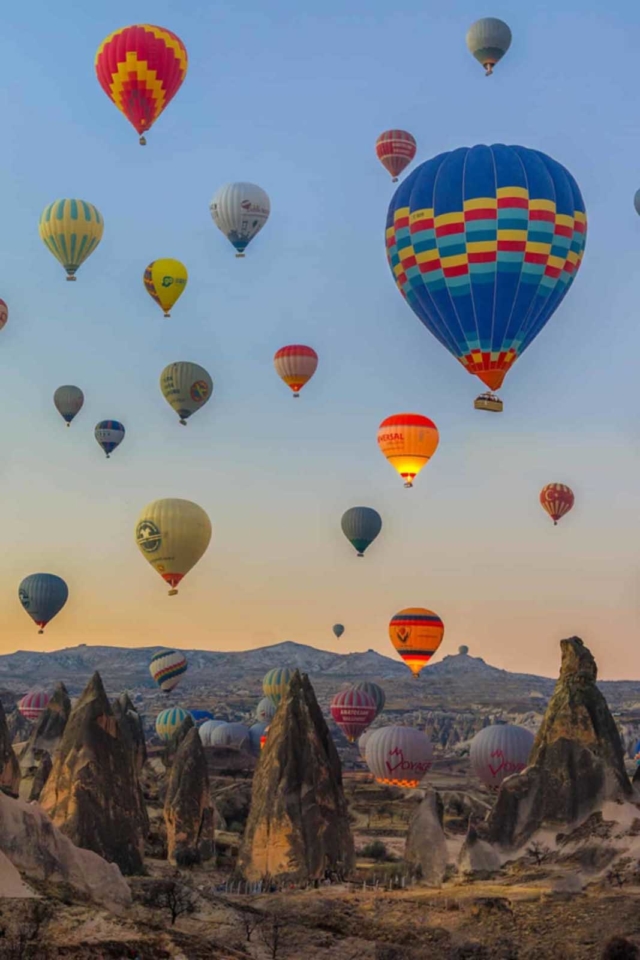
(488, 40)
(68, 402)
(232, 735)
(206, 731)
(361, 526)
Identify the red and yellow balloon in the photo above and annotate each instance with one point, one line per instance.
(141, 68)
(408, 441)
(416, 633)
(296, 364)
(557, 499)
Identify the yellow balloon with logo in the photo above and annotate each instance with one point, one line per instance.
(172, 535)
(164, 281)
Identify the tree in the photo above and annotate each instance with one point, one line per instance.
(617, 877)
(375, 851)
(250, 920)
(171, 895)
(275, 934)
(538, 852)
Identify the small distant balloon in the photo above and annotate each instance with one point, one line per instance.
(408, 441)
(488, 40)
(361, 526)
(4, 314)
(338, 630)
(395, 150)
(240, 211)
(68, 401)
(33, 704)
(636, 201)
(375, 691)
(266, 710)
(43, 595)
(557, 499)
(186, 387)
(463, 650)
(165, 281)
(71, 229)
(166, 668)
(109, 434)
(276, 683)
(296, 364)
(169, 721)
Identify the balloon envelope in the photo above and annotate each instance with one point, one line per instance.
(71, 229)
(235, 736)
(276, 684)
(43, 595)
(296, 364)
(33, 704)
(416, 633)
(395, 150)
(172, 535)
(166, 668)
(400, 756)
(165, 281)
(206, 731)
(408, 441)
(338, 630)
(363, 739)
(353, 711)
(168, 721)
(499, 751)
(266, 710)
(361, 526)
(256, 733)
(200, 716)
(557, 499)
(68, 401)
(240, 211)
(109, 434)
(186, 387)
(141, 68)
(636, 201)
(488, 40)
(484, 243)
(4, 314)
(374, 691)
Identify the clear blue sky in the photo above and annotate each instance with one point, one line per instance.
(293, 98)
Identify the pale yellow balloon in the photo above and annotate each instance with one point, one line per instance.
(173, 535)
(186, 387)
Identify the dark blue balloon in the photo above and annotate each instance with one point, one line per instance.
(43, 595)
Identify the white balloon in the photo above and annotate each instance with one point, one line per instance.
(240, 211)
(401, 756)
(233, 735)
(206, 731)
(499, 751)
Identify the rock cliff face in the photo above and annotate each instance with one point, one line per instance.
(298, 826)
(48, 730)
(477, 856)
(188, 811)
(93, 793)
(131, 724)
(577, 759)
(426, 846)
(9, 766)
(40, 852)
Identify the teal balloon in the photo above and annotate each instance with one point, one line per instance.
(361, 526)
(43, 595)
(338, 629)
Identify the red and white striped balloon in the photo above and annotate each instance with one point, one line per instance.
(296, 364)
(33, 704)
(353, 711)
(395, 149)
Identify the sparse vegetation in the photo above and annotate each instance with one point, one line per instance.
(250, 920)
(275, 934)
(538, 852)
(171, 895)
(376, 850)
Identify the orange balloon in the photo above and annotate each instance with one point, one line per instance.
(416, 633)
(557, 499)
(408, 441)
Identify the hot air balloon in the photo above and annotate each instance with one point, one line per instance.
(240, 211)
(499, 751)
(141, 68)
(374, 691)
(173, 535)
(484, 243)
(4, 314)
(395, 149)
(408, 441)
(71, 229)
(109, 434)
(338, 630)
(200, 716)
(33, 704)
(488, 40)
(400, 756)
(165, 281)
(363, 739)
(353, 711)
(263, 738)
(68, 401)
(361, 525)
(276, 684)
(186, 387)
(266, 710)
(636, 201)
(166, 668)
(416, 633)
(206, 731)
(256, 734)
(43, 595)
(169, 721)
(295, 364)
(557, 499)
(234, 736)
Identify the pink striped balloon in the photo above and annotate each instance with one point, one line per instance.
(295, 364)
(395, 149)
(353, 711)
(33, 704)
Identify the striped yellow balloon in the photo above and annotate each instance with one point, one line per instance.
(173, 535)
(71, 229)
(165, 281)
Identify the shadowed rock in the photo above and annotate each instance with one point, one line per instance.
(577, 759)
(40, 777)
(92, 792)
(477, 856)
(131, 723)
(188, 811)
(9, 766)
(298, 825)
(47, 732)
(426, 846)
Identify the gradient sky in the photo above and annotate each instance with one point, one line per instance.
(293, 98)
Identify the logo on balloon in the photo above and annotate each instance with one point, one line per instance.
(403, 634)
(167, 281)
(24, 599)
(199, 391)
(148, 537)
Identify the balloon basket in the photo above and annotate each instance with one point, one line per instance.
(239, 256)
(71, 278)
(143, 142)
(408, 485)
(173, 592)
(488, 401)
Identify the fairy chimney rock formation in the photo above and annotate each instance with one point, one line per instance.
(92, 793)
(577, 760)
(9, 766)
(426, 846)
(131, 723)
(188, 810)
(298, 826)
(477, 856)
(48, 730)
